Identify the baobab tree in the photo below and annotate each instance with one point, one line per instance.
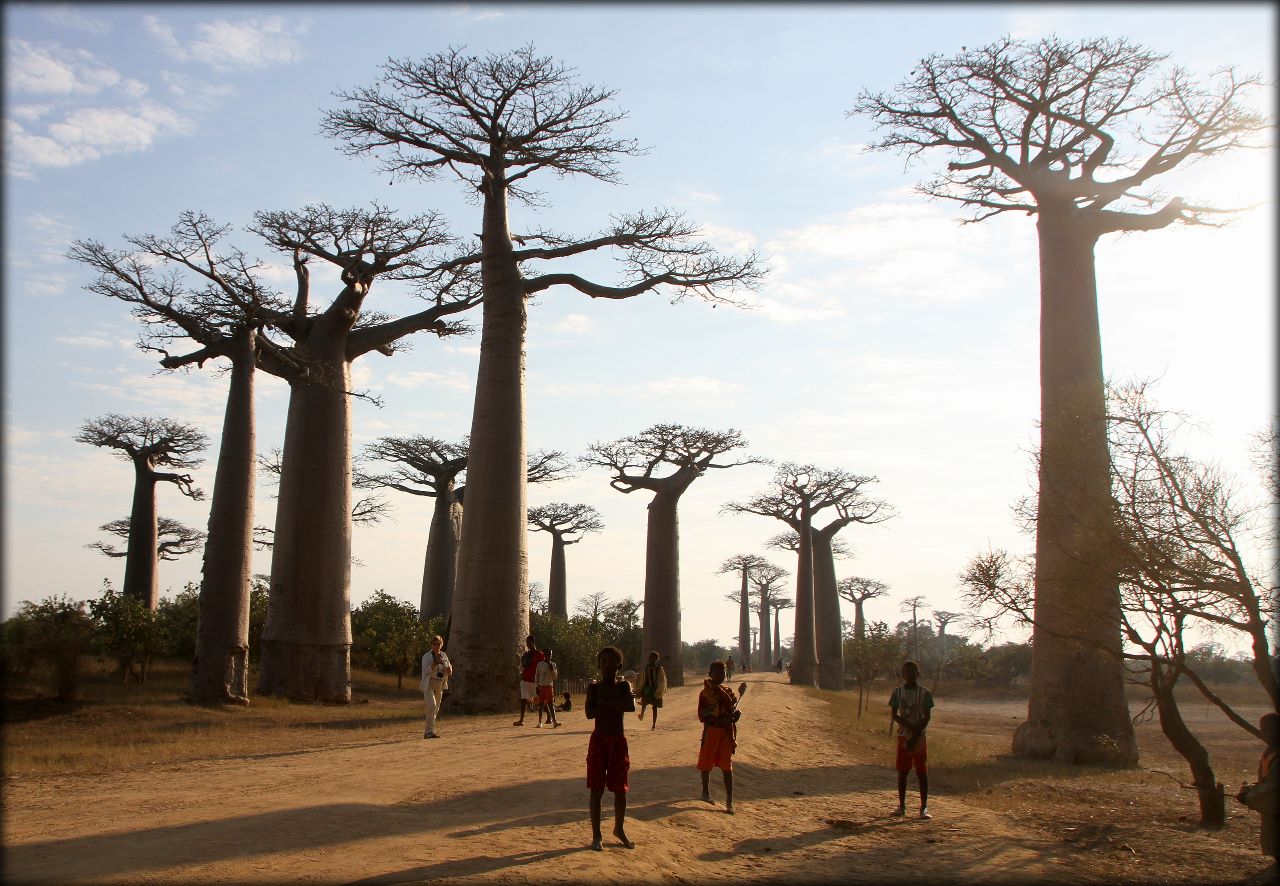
(634, 461)
(942, 618)
(494, 122)
(778, 604)
(213, 297)
(425, 466)
(147, 443)
(858, 591)
(1072, 133)
(173, 539)
(306, 643)
(766, 583)
(914, 605)
(800, 492)
(743, 565)
(563, 521)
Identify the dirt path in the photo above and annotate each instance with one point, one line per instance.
(491, 802)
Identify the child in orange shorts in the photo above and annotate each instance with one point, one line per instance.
(717, 705)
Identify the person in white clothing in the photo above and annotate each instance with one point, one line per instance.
(545, 681)
(436, 671)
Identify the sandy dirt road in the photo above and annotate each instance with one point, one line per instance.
(490, 802)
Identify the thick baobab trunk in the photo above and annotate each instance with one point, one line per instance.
(1077, 711)
(662, 585)
(826, 614)
(804, 650)
(490, 614)
(306, 643)
(220, 672)
(1209, 791)
(859, 620)
(440, 565)
(766, 639)
(777, 639)
(140, 580)
(557, 585)
(744, 624)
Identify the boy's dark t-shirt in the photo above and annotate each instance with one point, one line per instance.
(608, 720)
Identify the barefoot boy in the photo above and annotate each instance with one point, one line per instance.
(717, 710)
(911, 705)
(607, 759)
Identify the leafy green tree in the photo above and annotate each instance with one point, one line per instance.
(176, 621)
(699, 656)
(876, 654)
(387, 634)
(54, 632)
(126, 629)
(258, 598)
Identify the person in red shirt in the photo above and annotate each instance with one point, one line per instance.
(608, 761)
(528, 674)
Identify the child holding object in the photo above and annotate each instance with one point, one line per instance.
(911, 705)
(607, 759)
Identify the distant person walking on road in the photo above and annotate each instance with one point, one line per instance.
(545, 680)
(911, 706)
(653, 685)
(607, 758)
(436, 671)
(717, 709)
(528, 675)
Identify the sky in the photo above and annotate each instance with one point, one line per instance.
(888, 339)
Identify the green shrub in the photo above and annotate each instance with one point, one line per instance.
(54, 632)
(125, 629)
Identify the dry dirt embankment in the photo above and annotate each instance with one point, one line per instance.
(492, 802)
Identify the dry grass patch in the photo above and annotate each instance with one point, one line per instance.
(115, 726)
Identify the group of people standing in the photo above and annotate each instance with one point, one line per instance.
(538, 675)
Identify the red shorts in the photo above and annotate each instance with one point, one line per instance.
(717, 749)
(546, 693)
(607, 763)
(917, 757)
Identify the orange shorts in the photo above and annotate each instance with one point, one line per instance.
(917, 757)
(717, 749)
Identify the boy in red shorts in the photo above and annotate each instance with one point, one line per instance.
(911, 705)
(607, 759)
(717, 705)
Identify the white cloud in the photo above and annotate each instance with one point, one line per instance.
(87, 134)
(192, 92)
(703, 197)
(30, 112)
(51, 70)
(69, 17)
(733, 240)
(251, 44)
(465, 10)
(84, 341)
(575, 323)
(673, 388)
(455, 380)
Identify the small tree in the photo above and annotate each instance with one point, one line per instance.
(54, 632)
(177, 621)
(687, 453)
(173, 539)
(147, 443)
(566, 523)
(125, 629)
(869, 657)
(388, 634)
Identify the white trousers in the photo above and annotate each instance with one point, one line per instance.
(432, 695)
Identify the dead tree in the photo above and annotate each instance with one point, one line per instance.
(634, 461)
(494, 122)
(743, 565)
(173, 539)
(147, 443)
(306, 643)
(800, 492)
(188, 287)
(566, 523)
(1072, 133)
(858, 591)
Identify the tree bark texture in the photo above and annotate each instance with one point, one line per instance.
(1209, 791)
(491, 604)
(766, 638)
(306, 642)
(140, 580)
(557, 584)
(859, 620)
(220, 672)
(744, 624)
(826, 613)
(777, 638)
(804, 650)
(662, 584)
(440, 565)
(1077, 711)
